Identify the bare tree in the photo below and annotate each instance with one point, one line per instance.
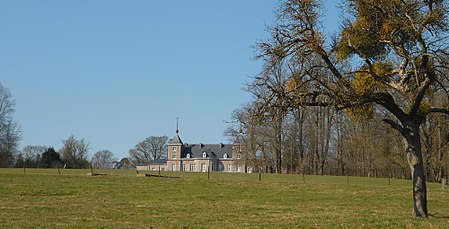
(246, 130)
(10, 134)
(436, 142)
(30, 156)
(124, 163)
(103, 159)
(151, 149)
(74, 152)
(271, 105)
(82, 149)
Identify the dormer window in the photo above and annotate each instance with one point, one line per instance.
(204, 154)
(238, 156)
(188, 155)
(225, 156)
(174, 148)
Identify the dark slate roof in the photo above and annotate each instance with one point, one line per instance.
(157, 162)
(211, 150)
(175, 140)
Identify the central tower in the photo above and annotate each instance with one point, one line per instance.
(175, 147)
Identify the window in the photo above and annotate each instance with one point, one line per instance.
(238, 156)
(183, 167)
(228, 168)
(225, 156)
(173, 156)
(203, 167)
(214, 167)
(204, 154)
(188, 155)
(173, 167)
(174, 148)
(192, 168)
(238, 168)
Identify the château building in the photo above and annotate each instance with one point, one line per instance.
(198, 157)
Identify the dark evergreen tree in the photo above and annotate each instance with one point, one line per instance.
(50, 158)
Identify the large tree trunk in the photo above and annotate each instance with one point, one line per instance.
(415, 161)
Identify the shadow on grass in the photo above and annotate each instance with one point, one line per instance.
(436, 216)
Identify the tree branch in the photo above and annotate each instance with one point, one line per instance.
(420, 95)
(395, 126)
(439, 110)
(386, 100)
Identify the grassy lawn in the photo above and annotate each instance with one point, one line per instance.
(43, 198)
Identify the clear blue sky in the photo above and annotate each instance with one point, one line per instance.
(116, 71)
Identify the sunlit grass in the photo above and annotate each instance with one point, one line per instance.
(45, 198)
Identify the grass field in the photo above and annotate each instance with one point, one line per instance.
(45, 199)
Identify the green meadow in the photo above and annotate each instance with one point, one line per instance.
(43, 198)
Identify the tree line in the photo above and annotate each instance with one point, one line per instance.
(74, 152)
(323, 141)
(72, 155)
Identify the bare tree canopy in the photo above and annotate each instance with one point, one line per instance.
(74, 152)
(103, 159)
(124, 163)
(30, 156)
(10, 134)
(390, 58)
(152, 148)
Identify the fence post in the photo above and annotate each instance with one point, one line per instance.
(260, 176)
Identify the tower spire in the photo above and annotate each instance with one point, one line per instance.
(176, 139)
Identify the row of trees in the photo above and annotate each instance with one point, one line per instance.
(369, 100)
(323, 141)
(73, 154)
